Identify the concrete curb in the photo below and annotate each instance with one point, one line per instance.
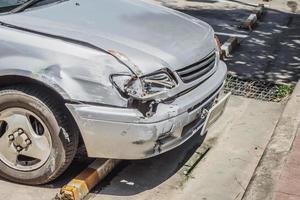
(79, 187)
(263, 183)
(259, 11)
(251, 21)
(229, 46)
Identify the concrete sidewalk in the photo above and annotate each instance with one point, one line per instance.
(222, 174)
(288, 186)
(265, 179)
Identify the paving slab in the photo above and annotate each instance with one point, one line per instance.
(241, 134)
(228, 168)
(263, 183)
(289, 181)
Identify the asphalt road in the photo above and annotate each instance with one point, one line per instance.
(270, 52)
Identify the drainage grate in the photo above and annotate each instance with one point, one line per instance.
(261, 90)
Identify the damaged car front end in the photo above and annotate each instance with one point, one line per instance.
(151, 126)
(132, 78)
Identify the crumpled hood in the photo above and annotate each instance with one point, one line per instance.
(152, 37)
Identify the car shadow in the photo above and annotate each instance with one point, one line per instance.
(74, 169)
(134, 177)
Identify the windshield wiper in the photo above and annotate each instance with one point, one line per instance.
(24, 6)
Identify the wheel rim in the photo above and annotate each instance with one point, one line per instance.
(25, 140)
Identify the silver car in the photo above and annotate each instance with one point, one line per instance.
(126, 79)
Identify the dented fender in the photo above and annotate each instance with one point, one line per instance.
(144, 137)
(76, 72)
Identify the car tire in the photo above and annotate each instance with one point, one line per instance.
(49, 135)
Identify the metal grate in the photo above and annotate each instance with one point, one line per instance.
(198, 69)
(261, 90)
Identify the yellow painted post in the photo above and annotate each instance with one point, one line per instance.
(80, 186)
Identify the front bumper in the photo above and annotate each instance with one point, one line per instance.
(122, 133)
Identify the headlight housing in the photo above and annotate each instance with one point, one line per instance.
(145, 87)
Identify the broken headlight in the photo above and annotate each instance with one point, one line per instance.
(144, 87)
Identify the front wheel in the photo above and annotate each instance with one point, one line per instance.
(38, 140)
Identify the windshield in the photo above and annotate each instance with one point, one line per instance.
(8, 5)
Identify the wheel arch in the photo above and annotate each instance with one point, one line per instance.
(8, 80)
(61, 96)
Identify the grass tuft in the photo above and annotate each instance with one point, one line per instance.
(283, 90)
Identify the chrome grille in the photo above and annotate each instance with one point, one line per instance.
(198, 69)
